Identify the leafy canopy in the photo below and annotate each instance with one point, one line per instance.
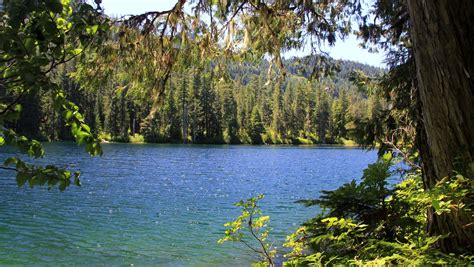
(35, 38)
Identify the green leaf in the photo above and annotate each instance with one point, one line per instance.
(86, 128)
(68, 115)
(92, 29)
(77, 181)
(63, 185)
(387, 157)
(30, 44)
(21, 178)
(10, 161)
(76, 51)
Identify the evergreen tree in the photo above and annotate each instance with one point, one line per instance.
(322, 115)
(256, 128)
(229, 114)
(276, 125)
(184, 106)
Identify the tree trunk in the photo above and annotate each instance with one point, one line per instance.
(443, 37)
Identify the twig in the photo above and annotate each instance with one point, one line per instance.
(233, 16)
(265, 252)
(13, 103)
(9, 168)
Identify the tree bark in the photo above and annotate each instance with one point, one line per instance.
(443, 38)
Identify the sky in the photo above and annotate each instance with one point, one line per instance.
(347, 49)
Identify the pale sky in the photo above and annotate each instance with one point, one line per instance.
(347, 49)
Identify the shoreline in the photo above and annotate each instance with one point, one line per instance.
(220, 144)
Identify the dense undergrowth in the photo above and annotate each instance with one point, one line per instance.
(370, 223)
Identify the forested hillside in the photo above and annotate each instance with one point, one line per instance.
(240, 107)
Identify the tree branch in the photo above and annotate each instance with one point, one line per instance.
(8, 168)
(265, 252)
(13, 103)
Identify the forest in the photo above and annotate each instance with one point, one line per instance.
(215, 72)
(236, 109)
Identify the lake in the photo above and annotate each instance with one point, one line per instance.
(163, 204)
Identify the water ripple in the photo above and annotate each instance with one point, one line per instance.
(162, 204)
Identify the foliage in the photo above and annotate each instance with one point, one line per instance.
(453, 194)
(36, 37)
(364, 201)
(136, 139)
(370, 224)
(202, 108)
(251, 224)
(246, 30)
(374, 223)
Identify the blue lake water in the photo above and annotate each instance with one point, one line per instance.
(163, 204)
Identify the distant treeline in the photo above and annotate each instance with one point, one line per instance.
(199, 107)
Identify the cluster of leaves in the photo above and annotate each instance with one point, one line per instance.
(250, 228)
(370, 224)
(79, 129)
(364, 202)
(373, 223)
(453, 194)
(35, 38)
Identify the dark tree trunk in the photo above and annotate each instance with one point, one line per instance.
(443, 36)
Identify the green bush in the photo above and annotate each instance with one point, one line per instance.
(136, 139)
(372, 223)
(377, 224)
(102, 136)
